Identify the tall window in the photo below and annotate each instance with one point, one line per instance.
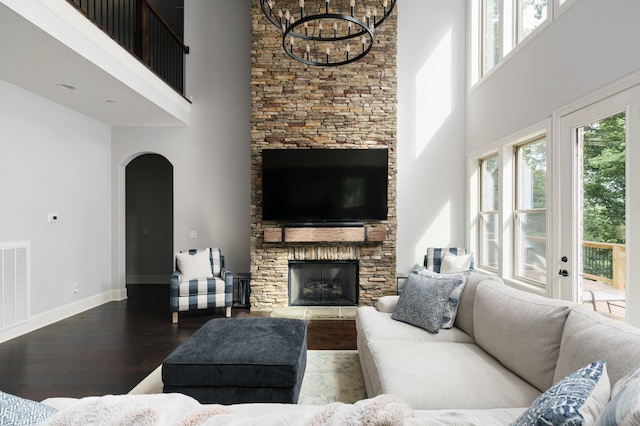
(503, 24)
(530, 215)
(488, 215)
(531, 13)
(491, 23)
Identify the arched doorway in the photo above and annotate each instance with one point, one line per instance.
(149, 220)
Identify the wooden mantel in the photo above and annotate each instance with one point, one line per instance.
(358, 234)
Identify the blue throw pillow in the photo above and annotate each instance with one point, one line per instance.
(624, 407)
(578, 399)
(18, 411)
(423, 300)
(451, 307)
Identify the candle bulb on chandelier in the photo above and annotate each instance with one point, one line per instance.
(308, 51)
(306, 28)
(291, 45)
(328, 53)
(364, 41)
(353, 7)
(349, 25)
(301, 8)
(348, 49)
(320, 29)
(327, 5)
(335, 29)
(375, 15)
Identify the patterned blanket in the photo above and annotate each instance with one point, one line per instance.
(178, 409)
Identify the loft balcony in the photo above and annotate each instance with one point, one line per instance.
(140, 29)
(51, 45)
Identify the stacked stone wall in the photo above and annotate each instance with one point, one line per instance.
(296, 106)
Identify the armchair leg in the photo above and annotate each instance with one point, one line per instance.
(174, 317)
(227, 311)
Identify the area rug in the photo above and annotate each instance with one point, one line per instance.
(330, 376)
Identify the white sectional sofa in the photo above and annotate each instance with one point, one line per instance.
(505, 351)
(506, 348)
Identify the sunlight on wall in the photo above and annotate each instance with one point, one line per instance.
(438, 234)
(434, 93)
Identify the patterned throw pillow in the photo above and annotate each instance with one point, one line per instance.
(624, 407)
(578, 399)
(451, 308)
(19, 411)
(422, 301)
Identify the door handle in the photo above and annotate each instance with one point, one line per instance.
(563, 272)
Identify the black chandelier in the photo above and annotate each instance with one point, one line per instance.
(329, 33)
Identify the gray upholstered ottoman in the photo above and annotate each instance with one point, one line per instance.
(238, 360)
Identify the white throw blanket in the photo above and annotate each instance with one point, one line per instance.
(178, 409)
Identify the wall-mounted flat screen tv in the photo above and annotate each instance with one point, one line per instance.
(324, 185)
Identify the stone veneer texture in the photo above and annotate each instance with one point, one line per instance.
(304, 107)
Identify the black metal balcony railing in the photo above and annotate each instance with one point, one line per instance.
(138, 27)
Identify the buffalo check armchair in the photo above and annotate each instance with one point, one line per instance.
(200, 282)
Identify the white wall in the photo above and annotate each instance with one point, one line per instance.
(591, 45)
(431, 107)
(562, 68)
(211, 157)
(54, 160)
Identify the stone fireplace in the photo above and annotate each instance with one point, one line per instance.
(295, 106)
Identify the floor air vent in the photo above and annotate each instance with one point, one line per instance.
(14, 283)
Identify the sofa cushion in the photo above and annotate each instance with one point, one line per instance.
(589, 336)
(376, 325)
(521, 330)
(575, 400)
(464, 316)
(423, 300)
(444, 375)
(624, 407)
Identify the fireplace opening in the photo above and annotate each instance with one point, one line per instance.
(323, 283)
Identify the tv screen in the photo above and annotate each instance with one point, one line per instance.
(324, 185)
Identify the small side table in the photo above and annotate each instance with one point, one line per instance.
(241, 290)
(401, 280)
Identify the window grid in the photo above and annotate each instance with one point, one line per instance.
(530, 230)
(503, 24)
(488, 215)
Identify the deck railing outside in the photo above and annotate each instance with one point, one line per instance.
(605, 262)
(138, 27)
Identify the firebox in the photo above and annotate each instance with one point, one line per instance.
(323, 283)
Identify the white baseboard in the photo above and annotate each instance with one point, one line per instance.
(63, 312)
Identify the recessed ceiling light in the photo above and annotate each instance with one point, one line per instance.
(66, 86)
(110, 101)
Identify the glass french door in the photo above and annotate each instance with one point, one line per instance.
(596, 176)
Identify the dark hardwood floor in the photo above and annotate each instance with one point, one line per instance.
(110, 349)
